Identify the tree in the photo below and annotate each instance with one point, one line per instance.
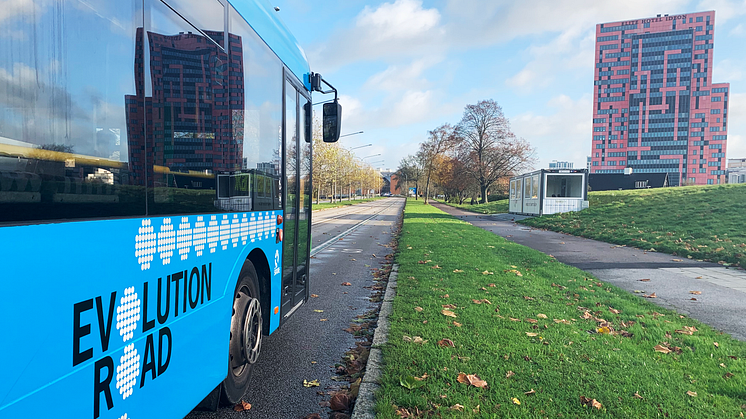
(440, 140)
(491, 150)
(409, 171)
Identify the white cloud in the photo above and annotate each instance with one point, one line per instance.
(561, 135)
(400, 28)
(724, 9)
(738, 30)
(397, 78)
(727, 71)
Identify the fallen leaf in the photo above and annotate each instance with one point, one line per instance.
(516, 401)
(509, 374)
(695, 292)
(728, 375)
(662, 349)
(445, 296)
(448, 313)
(603, 330)
(457, 407)
(471, 379)
(339, 402)
(590, 402)
(515, 320)
(346, 284)
(722, 365)
(242, 406)
(637, 396)
(312, 383)
(446, 343)
(517, 272)
(410, 382)
(323, 320)
(717, 345)
(644, 280)
(532, 334)
(488, 273)
(457, 270)
(541, 316)
(532, 320)
(418, 309)
(449, 306)
(613, 310)
(491, 285)
(314, 296)
(435, 267)
(650, 295)
(692, 393)
(677, 260)
(528, 393)
(457, 324)
(423, 378)
(318, 311)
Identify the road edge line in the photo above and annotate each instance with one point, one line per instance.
(365, 405)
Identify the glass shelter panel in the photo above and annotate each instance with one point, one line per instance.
(65, 110)
(564, 186)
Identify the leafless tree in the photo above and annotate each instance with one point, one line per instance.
(440, 140)
(490, 149)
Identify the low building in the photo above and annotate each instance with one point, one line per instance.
(561, 164)
(736, 171)
(626, 180)
(548, 192)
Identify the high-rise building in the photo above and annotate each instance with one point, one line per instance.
(655, 107)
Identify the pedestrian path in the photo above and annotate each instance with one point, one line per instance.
(708, 292)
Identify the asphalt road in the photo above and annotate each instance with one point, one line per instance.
(307, 348)
(721, 304)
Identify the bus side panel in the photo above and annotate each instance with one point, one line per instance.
(127, 316)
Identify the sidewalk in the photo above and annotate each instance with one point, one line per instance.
(721, 304)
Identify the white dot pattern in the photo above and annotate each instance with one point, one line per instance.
(145, 244)
(128, 313)
(196, 233)
(128, 371)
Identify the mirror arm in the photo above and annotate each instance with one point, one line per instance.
(316, 81)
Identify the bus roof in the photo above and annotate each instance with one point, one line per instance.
(264, 20)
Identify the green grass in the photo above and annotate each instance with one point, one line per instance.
(494, 207)
(563, 362)
(343, 203)
(698, 222)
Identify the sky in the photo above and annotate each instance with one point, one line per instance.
(404, 67)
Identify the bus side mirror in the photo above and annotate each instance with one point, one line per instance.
(332, 121)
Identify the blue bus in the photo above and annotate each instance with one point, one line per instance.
(155, 211)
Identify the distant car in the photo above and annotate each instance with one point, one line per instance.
(387, 194)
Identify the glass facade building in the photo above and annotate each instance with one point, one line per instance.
(656, 109)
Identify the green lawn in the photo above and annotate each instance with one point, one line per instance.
(343, 203)
(494, 207)
(699, 222)
(529, 327)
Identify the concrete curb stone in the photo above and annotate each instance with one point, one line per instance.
(365, 404)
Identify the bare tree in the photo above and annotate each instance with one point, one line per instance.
(409, 171)
(491, 150)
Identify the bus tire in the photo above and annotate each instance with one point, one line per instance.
(246, 335)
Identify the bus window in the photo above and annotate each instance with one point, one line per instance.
(65, 143)
(257, 122)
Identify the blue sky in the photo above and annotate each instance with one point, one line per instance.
(404, 67)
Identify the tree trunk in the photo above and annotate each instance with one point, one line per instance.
(484, 193)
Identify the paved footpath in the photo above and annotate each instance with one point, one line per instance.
(722, 303)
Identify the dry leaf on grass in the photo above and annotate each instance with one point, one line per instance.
(613, 310)
(662, 349)
(242, 406)
(457, 270)
(488, 273)
(516, 401)
(448, 313)
(435, 267)
(717, 345)
(532, 320)
(515, 271)
(457, 324)
(637, 395)
(472, 380)
(457, 407)
(691, 393)
(509, 374)
(532, 334)
(591, 402)
(541, 316)
(418, 309)
(528, 393)
(491, 285)
(449, 306)
(446, 343)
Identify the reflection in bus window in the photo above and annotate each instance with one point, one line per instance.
(63, 137)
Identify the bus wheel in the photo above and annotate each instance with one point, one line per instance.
(246, 334)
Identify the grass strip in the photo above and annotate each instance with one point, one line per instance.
(697, 222)
(494, 207)
(541, 334)
(344, 203)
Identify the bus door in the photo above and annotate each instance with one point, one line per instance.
(297, 206)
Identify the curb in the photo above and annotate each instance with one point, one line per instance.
(365, 406)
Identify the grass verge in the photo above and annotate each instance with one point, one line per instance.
(344, 203)
(494, 207)
(541, 334)
(698, 222)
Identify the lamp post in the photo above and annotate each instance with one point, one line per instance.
(352, 133)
